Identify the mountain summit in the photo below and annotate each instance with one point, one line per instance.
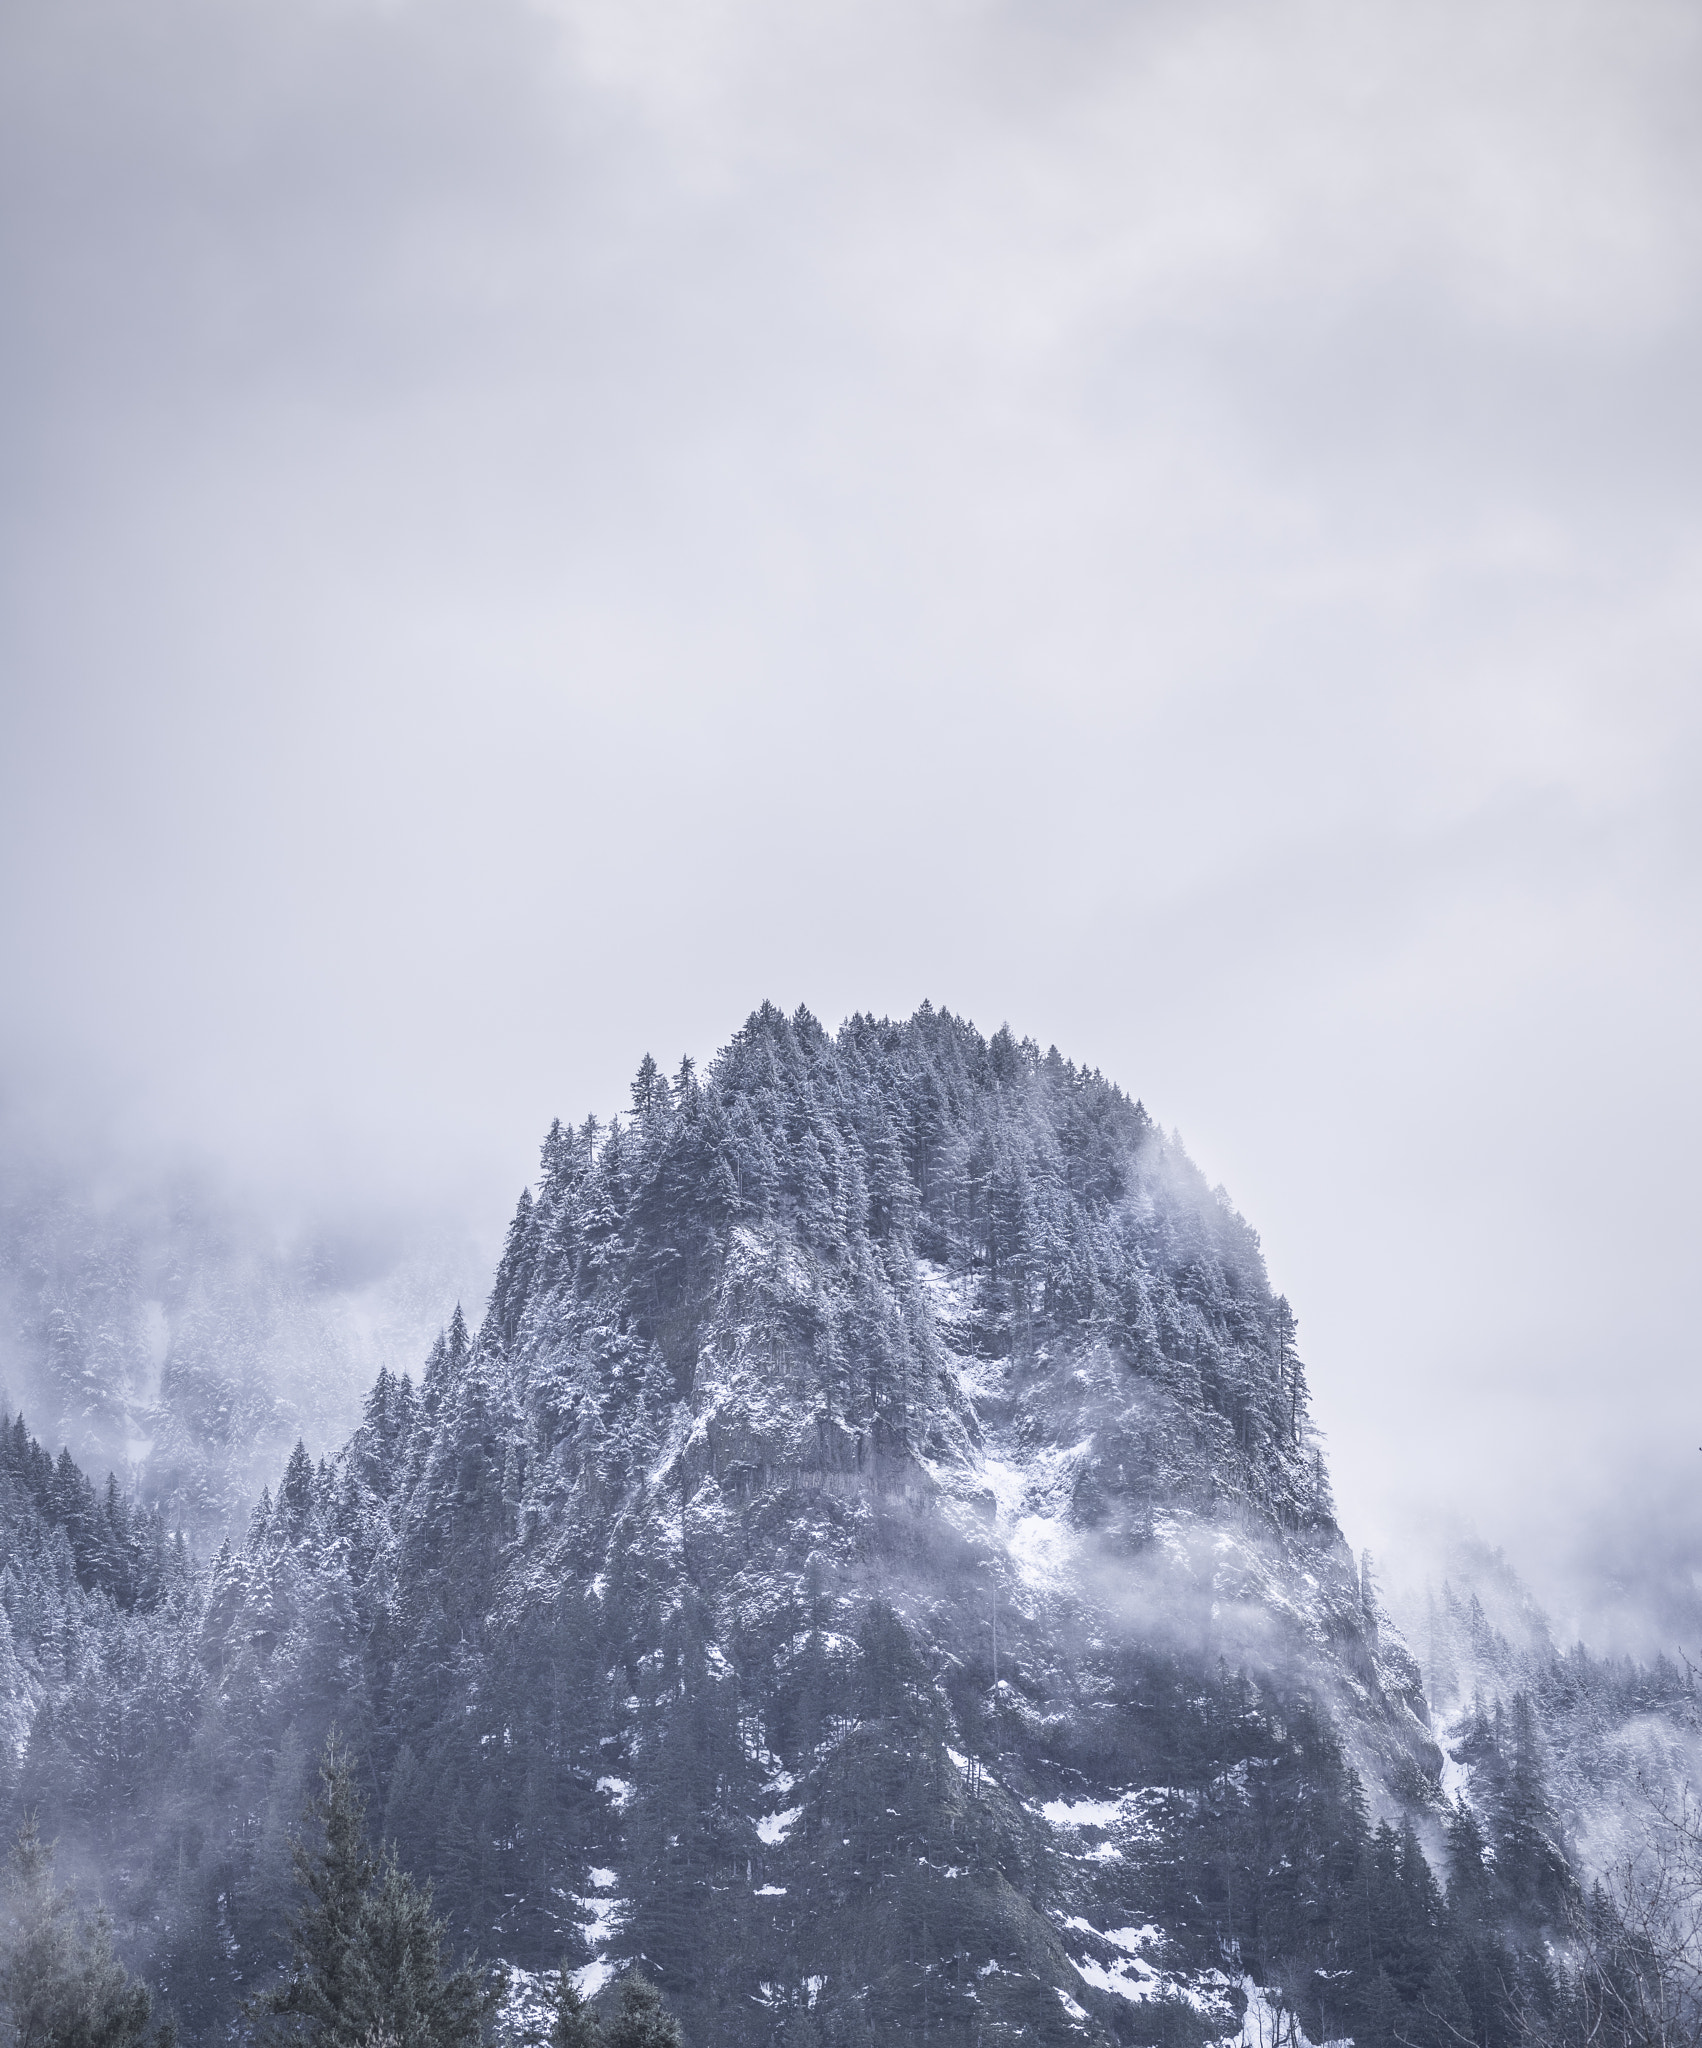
(894, 1452)
(872, 1567)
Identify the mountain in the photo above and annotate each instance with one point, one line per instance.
(873, 1565)
(169, 1332)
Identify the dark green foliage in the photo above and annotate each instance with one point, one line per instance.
(574, 2023)
(667, 1571)
(366, 1950)
(641, 2020)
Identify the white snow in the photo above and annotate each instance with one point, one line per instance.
(602, 1917)
(528, 2005)
(619, 1791)
(601, 1880)
(945, 1295)
(1042, 1548)
(1032, 1498)
(966, 1765)
(775, 1827)
(1130, 1939)
(590, 1978)
(1141, 1979)
(1145, 1985)
(1265, 2027)
(1083, 1813)
(1007, 1482)
(770, 1891)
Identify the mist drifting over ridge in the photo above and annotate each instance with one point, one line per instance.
(874, 1563)
(184, 1335)
(525, 525)
(186, 1332)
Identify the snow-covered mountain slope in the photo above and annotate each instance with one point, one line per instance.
(872, 1565)
(1618, 1740)
(910, 1444)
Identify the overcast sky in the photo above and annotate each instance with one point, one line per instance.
(528, 528)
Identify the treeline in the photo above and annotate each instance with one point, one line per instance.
(52, 1516)
(1260, 1848)
(366, 1966)
(648, 1638)
(1044, 1185)
(1436, 1927)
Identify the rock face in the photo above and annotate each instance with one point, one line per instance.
(903, 1454)
(872, 1565)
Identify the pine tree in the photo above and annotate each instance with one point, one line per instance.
(575, 2023)
(367, 1950)
(60, 1984)
(643, 2021)
(326, 1996)
(295, 1495)
(646, 1087)
(421, 2003)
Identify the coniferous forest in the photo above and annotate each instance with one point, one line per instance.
(869, 1574)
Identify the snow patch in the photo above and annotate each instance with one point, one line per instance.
(1075, 2011)
(1042, 1547)
(1265, 2027)
(1130, 1939)
(1083, 1813)
(773, 1828)
(602, 1917)
(970, 1768)
(1008, 1483)
(528, 2005)
(619, 1791)
(1134, 1980)
(945, 1295)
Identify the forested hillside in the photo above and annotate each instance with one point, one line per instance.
(872, 1564)
(172, 1332)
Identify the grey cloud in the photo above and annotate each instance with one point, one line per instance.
(528, 529)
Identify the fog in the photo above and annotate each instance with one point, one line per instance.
(530, 528)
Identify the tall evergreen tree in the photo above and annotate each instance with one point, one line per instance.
(575, 2022)
(367, 1951)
